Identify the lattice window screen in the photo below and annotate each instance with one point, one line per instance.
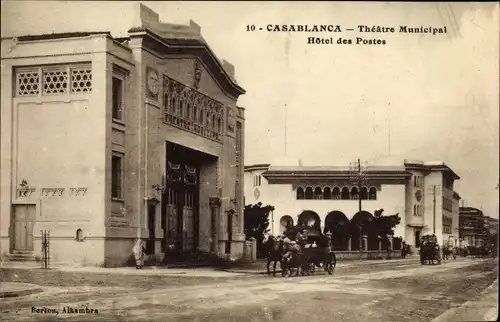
(28, 83)
(81, 80)
(55, 81)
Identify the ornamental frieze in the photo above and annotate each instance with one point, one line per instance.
(52, 192)
(192, 111)
(25, 192)
(331, 185)
(77, 192)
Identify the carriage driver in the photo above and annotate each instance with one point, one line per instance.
(291, 248)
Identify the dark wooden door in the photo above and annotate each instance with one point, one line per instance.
(24, 216)
(182, 199)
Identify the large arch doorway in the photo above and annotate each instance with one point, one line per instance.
(309, 218)
(338, 224)
(360, 225)
(285, 223)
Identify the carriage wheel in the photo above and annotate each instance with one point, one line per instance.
(331, 264)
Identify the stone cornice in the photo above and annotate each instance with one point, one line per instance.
(395, 177)
(191, 47)
(427, 168)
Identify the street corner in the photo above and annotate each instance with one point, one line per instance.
(14, 289)
(482, 308)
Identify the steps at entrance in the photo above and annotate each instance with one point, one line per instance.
(21, 256)
(191, 260)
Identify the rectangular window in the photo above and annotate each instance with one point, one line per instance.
(117, 101)
(256, 181)
(117, 177)
(415, 181)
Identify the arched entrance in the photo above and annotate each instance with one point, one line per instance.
(285, 222)
(309, 218)
(338, 224)
(360, 225)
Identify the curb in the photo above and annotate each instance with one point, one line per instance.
(490, 315)
(346, 265)
(30, 289)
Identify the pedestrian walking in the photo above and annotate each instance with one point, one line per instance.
(139, 250)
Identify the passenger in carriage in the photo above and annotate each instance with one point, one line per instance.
(291, 248)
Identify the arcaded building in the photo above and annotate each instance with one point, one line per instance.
(420, 192)
(108, 139)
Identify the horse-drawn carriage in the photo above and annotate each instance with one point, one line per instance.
(430, 251)
(301, 250)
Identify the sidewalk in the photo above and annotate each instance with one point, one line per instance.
(482, 308)
(10, 289)
(258, 267)
(146, 271)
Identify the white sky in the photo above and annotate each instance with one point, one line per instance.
(441, 92)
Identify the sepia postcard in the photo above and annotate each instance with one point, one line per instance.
(249, 161)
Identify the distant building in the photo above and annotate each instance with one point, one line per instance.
(474, 227)
(421, 192)
(105, 139)
(491, 225)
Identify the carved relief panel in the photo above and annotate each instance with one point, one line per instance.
(231, 120)
(152, 83)
(197, 74)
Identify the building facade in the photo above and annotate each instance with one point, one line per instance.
(475, 227)
(108, 139)
(492, 225)
(420, 192)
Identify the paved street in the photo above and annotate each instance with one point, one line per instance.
(391, 291)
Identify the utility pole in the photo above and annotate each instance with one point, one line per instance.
(434, 209)
(434, 188)
(360, 207)
(357, 178)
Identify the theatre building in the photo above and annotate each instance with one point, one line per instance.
(420, 192)
(108, 139)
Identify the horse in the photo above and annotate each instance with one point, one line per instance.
(274, 248)
(447, 251)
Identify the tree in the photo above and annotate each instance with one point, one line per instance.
(256, 220)
(384, 225)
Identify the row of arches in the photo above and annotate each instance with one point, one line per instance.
(336, 193)
(345, 233)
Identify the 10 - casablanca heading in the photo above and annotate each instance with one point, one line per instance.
(359, 28)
